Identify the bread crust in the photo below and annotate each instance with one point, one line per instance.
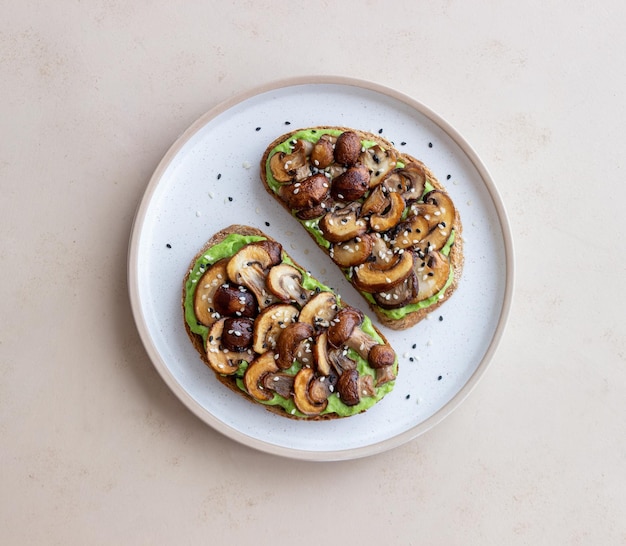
(198, 343)
(455, 256)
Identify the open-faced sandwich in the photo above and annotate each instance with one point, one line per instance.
(381, 215)
(276, 335)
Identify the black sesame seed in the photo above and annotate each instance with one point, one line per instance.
(430, 144)
(403, 143)
(448, 177)
(230, 198)
(411, 359)
(267, 224)
(407, 396)
(258, 129)
(210, 338)
(288, 123)
(414, 346)
(380, 131)
(440, 378)
(440, 318)
(168, 245)
(219, 175)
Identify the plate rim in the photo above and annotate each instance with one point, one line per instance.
(297, 453)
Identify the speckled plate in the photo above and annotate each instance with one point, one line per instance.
(209, 179)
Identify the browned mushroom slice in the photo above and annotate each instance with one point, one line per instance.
(384, 375)
(350, 185)
(269, 324)
(322, 154)
(250, 266)
(353, 252)
(343, 224)
(289, 343)
(348, 387)
(301, 393)
(409, 181)
(319, 310)
(279, 382)
(320, 389)
(400, 295)
(207, 285)
(384, 221)
(410, 232)
(443, 218)
(379, 162)
(375, 202)
(345, 331)
(314, 212)
(320, 354)
(370, 278)
(255, 372)
(305, 194)
(220, 359)
(285, 282)
(366, 385)
(432, 274)
(284, 166)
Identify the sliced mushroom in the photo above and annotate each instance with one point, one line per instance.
(320, 389)
(366, 385)
(314, 212)
(375, 202)
(352, 252)
(250, 265)
(384, 375)
(379, 162)
(269, 324)
(220, 359)
(443, 220)
(285, 282)
(305, 194)
(348, 387)
(207, 285)
(370, 278)
(322, 154)
(284, 166)
(319, 310)
(255, 372)
(345, 331)
(400, 295)
(350, 185)
(237, 334)
(432, 274)
(343, 224)
(384, 221)
(347, 148)
(320, 354)
(279, 382)
(289, 343)
(339, 361)
(301, 393)
(410, 232)
(235, 300)
(409, 181)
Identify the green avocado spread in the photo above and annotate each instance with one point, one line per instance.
(227, 248)
(312, 226)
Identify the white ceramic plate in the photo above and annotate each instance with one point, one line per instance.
(209, 179)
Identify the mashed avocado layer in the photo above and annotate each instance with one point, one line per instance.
(312, 226)
(227, 248)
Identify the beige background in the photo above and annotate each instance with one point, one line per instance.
(95, 448)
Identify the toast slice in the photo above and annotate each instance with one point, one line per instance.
(274, 334)
(380, 214)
